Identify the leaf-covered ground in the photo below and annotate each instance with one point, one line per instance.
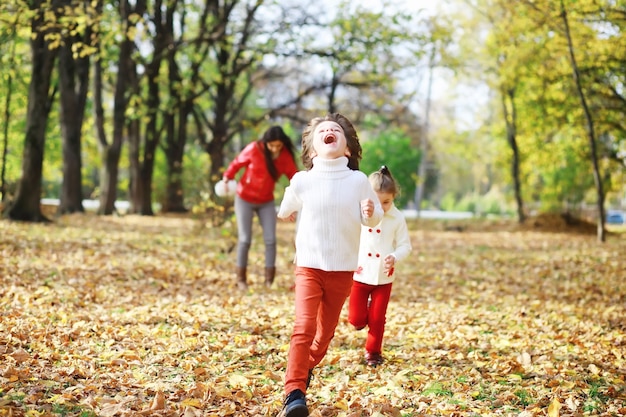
(138, 316)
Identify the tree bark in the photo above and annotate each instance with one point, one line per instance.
(142, 164)
(26, 206)
(425, 139)
(111, 151)
(74, 85)
(590, 128)
(175, 202)
(7, 116)
(510, 119)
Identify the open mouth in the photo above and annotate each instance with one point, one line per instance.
(329, 139)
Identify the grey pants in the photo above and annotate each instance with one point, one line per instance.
(244, 212)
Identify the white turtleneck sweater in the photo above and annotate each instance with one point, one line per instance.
(328, 199)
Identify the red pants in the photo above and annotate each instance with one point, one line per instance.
(320, 296)
(372, 314)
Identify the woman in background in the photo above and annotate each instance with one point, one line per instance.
(264, 161)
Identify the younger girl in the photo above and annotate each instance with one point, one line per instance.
(381, 247)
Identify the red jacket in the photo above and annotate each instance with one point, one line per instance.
(256, 185)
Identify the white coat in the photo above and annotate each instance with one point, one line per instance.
(390, 236)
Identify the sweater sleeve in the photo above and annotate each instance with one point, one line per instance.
(290, 203)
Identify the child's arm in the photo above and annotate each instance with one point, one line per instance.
(289, 206)
(402, 242)
(371, 211)
(367, 208)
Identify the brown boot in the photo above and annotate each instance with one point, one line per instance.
(270, 273)
(242, 278)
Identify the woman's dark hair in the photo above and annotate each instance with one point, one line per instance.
(349, 131)
(383, 182)
(273, 134)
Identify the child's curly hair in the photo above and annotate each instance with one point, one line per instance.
(349, 131)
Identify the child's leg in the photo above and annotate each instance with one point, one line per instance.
(357, 311)
(308, 294)
(337, 287)
(377, 318)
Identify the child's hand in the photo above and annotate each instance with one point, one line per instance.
(367, 208)
(291, 218)
(388, 264)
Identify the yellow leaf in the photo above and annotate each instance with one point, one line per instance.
(223, 391)
(192, 402)
(342, 404)
(514, 377)
(554, 407)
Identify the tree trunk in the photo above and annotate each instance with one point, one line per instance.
(142, 165)
(74, 85)
(5, 133)
(111, 152)
(425, 139)
(134, 186)
(589, 126)
(215, 148)
(176, 128)
(26, 206)
(175, 202)
(174, 196)
(7, 111)
(141, 169)
(510, 120)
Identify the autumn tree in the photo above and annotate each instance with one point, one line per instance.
(8, 39)
(236, 69)
(532, 71)
(111, 149)
(74, 68)
(145, 128)
(45, 38)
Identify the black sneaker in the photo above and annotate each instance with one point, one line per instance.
(295, 405)
(309, 378)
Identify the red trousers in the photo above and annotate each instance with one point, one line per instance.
(320, 296)
(368, 307)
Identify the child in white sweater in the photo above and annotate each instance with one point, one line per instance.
(331, 200)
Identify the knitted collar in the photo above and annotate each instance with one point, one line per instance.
(330, 165)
